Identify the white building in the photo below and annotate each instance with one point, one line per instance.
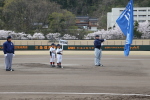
(141, 14)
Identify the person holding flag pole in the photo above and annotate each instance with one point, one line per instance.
(126, 24)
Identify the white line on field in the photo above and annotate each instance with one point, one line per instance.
(88, 58)
(70, 93)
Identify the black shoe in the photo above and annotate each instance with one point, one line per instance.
(58, 66)
(99, 65)
(9, 69)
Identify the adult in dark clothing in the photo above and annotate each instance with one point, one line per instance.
(98, 50)
(8, 49)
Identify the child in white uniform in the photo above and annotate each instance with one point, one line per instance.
(52, 55)
(59, 56)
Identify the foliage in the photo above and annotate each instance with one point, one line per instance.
(26, 15)
(62, 22)
(137, 34)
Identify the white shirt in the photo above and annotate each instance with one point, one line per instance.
(59, 50)
(52, 50)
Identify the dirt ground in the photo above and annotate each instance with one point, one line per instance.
(33, 79)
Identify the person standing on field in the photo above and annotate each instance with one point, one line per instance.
(59, 56)
(98, 50)
(8, 49)
(52, 51)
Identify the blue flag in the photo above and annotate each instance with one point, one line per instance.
(126, 24)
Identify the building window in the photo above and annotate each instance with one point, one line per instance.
(142, 15)
(135, 10)
(83, 21)
(135, 15)
(121, 10)
(141, 20)
(149, 10)
(93, 23)
(142, 10)
(148, 15)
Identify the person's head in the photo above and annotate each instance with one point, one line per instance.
(58, 45)
(97, 37)
(53, 45)
(9, 38)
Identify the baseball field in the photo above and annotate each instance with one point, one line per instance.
(121, 78)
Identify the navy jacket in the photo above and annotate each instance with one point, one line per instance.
(8, 47)
(97, 43)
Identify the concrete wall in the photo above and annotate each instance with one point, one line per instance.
(76, 42)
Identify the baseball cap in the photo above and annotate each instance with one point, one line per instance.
(52, 44)
(58, 44)
(9, 37)
(97, 36)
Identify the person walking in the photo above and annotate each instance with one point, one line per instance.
(8, 49)
(98, 50)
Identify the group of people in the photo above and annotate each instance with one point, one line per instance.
(9, 53)
(55, 51)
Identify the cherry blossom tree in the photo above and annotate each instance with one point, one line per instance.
(38, 36)
(115, 33)
(145, 29)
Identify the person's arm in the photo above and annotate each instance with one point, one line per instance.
(102, 40)
(50, 52)
(13, 49)
(4, 48)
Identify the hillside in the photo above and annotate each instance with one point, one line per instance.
(30, 16)
(97, 8)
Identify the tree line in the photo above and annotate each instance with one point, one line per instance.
(97, 8)
(30, 16)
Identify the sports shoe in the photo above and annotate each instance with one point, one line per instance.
(53, 66)
(101, 65)
(9, 69)
(58, 66)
